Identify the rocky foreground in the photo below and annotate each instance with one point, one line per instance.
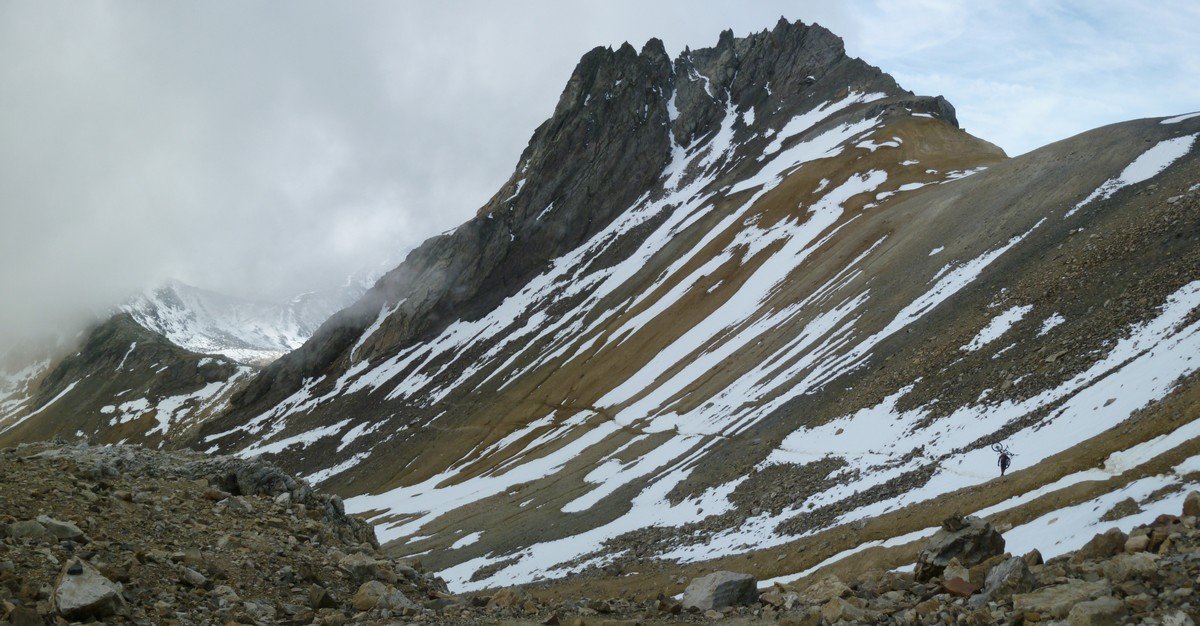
(121, 534)
(127, 535)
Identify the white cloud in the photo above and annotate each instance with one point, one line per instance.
(1024, 73)
(266, 148)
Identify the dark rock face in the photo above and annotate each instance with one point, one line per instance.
(605, 144)
(971, 541)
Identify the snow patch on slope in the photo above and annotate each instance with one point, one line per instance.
(998, 326)
(1148, 165)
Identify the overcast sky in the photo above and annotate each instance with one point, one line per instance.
(267, 148)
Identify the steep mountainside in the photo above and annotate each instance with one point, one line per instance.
(125, 383)
(736, 300)
(168, 359)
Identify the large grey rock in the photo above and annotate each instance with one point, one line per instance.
(719, 590)
(27, 529)
(192, 577)
(970, 540)
(1057, 601)
(60, 529)
(250, 477)
(1004, 580)
(260, 611)
(1191, 504)
(82, 592)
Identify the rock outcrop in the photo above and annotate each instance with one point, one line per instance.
(719, 590)
(967, 540)
(83, 593)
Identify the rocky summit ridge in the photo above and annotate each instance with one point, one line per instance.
(618, 122)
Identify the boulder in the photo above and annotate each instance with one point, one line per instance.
(1102, 546)
(1160, 529)
(64, 531)
(824, 590)
(1126, 566)
(224, 592)
(1177, 618)
(838, 609)
(1009, 577)
(1137, 543)
(979, 572)
(1106, 611)
(368, 595)
(970, 540)
(1056, 601)
(192, 577)
(376, 595)
(1033, 557)
(719, 590)
(959, 587)
(1191, 504)
(83, 593)
(1122, 509)
(27, 529)
(320, 598)
(237, 504)
(260, 611)
(954, 569)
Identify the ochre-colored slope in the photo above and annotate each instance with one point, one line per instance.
(811, 324)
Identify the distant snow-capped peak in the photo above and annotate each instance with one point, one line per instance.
(248, 331)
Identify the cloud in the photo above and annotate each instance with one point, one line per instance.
(1024, 73)
(267, 148)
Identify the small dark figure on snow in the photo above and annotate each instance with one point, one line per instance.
(1005, 457)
